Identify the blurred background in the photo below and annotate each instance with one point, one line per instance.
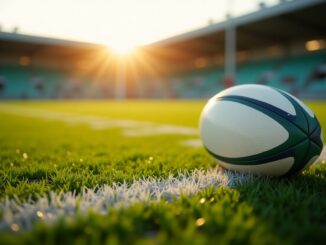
(160, 49)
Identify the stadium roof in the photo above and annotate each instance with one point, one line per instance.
(13, 43)
(281, 23)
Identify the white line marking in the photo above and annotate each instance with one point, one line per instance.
(132, 128)
(100, 199)
(192, 143)
(160, 129)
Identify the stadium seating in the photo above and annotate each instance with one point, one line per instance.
(29, 83)
(252, 72)
(293, 74)
(198, 84)
(290, 74)
(25, 83)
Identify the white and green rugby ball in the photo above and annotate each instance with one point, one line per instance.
(261, 130)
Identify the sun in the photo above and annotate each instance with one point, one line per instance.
(122, 48)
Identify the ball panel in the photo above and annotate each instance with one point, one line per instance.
(300, 120)
(314, 150)
(237, 134)
(275, 168)
(304, 107)
(305, 119)
(297, 135)
(261, 93)
(303, 153)
(315, 136)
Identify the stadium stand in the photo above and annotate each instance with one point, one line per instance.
(183, 66)
(289, 74)
(23, 82)
(297, 74)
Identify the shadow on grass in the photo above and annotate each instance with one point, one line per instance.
(294, 208)
(260, 211)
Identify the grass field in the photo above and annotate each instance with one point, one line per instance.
(146, 157)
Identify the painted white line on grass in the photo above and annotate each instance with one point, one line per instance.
(132, 128)
(192, 143)
(160, 129)
(23, 215)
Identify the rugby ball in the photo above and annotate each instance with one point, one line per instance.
(261, 130)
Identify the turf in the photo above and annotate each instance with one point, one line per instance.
(38, 156)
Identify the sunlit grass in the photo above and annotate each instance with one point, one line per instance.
(38, 156)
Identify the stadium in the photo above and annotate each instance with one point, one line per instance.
(99, 147)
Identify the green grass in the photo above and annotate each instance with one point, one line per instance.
(65, 157)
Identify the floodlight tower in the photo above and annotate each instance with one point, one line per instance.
(230, 44)
(120, 92)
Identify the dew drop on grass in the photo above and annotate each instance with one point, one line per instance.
(25, 156)
(14, 227)
(150, 159)
(200, 222)
(202, 200)
(40, 214)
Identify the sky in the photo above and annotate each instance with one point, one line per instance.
(116, 23)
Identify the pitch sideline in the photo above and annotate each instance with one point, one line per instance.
(22, 215)
(131, 128)
(19, 215)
